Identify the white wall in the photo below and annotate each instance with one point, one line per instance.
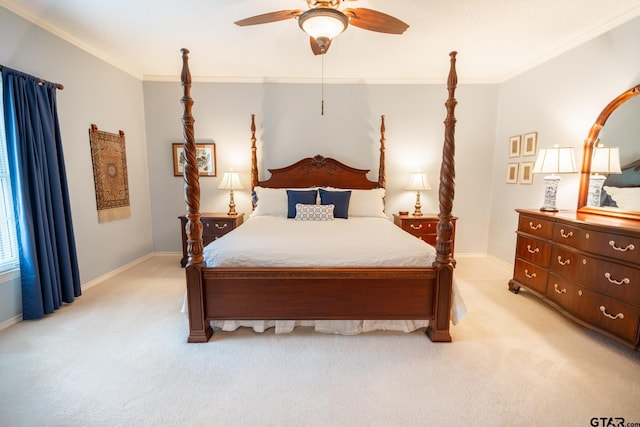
(559, 99)
(290, 127)
(94, 92)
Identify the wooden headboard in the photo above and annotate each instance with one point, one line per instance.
(318, 171)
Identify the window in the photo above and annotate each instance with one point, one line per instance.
(8, 240)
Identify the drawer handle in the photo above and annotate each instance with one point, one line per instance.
(611, 316)
(566, 235)
(629, 247)
(221, 227)
(624, 281)
(559, 291)
(533, 251)
(534, 227)
(530, 276)
(568, 261)
(416, 227)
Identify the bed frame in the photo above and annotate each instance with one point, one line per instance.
(297, 293)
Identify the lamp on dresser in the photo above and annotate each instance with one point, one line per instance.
(418, 183)
(606, 160)
(231, 181)
(553, 161)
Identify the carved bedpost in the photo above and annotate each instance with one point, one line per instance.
(199, 329)
(438, 329)
(382, 177)
(191, 179)
(254, 158)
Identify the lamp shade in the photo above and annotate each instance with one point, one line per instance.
(230, 181)
(606, 160)
(323, 22)
(555, 160)
(418, 182)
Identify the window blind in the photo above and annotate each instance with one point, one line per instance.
(8, 239)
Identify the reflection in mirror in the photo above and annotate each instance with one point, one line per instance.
(603, 189)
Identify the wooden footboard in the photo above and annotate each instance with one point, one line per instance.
(319, 293)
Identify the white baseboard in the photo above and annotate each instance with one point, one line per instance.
(10, 322)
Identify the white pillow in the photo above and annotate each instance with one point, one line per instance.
(271, 201)
(314, 212)
(365, 202)
(627, 198)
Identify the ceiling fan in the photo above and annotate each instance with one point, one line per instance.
(323, 21)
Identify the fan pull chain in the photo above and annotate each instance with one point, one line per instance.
(322, 86)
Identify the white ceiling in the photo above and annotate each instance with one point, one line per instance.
(496, 39)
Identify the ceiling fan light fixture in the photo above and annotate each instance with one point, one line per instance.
(323, 23)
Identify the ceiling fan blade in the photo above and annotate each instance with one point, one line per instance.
(270, 17)
(373, 20)
(319, 47)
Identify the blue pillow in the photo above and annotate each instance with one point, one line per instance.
(340, 199)
(305, 197)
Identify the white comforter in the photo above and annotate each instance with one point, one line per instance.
(268, 241)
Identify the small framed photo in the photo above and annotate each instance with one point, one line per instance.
(529, 144)
(205, 156)
(526, 173)
(514, 146)
(512, 173)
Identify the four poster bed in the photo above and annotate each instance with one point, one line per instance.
(237, 278)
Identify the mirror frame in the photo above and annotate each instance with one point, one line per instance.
(587, 154)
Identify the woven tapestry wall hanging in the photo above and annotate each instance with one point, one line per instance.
(110, 174)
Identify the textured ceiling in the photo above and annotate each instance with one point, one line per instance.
(496, 39)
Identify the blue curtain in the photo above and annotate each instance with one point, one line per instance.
(47, 249)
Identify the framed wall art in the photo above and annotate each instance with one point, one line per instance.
(526, 173)
(512, 173)
(529, 144)
(514, 146)
(205, 155)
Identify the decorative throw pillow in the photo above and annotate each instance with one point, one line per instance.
(340, 199)
(305, 197)
(314, 212)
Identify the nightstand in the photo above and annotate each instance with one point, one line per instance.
(423, 227)
(214, 225)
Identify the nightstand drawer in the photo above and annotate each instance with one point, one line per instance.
(424, 227)
(214, 226)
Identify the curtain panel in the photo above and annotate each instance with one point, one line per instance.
(47, 249)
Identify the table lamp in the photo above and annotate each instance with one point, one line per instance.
(418, 182)
(231, 181)
(553, 161)
(606, 160)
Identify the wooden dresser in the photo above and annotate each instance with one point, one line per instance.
(424, 227)
(585, 265)
(214, 225)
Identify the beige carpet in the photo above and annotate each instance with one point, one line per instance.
(118, 357)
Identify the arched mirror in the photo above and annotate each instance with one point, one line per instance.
(619, 194)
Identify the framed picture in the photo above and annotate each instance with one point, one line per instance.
(529, 144)
(514, 146)
(512, 173)
(205, 155)
(526, 173)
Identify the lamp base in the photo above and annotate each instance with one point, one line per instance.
(232, 205)
(418, 206)
(595, 190)
(550, 190)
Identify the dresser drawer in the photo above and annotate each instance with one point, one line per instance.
(603, 276)
(535, 226)
(611, 315)
(623, 248)
(564, 293)
(533, 250)
(530, 275)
